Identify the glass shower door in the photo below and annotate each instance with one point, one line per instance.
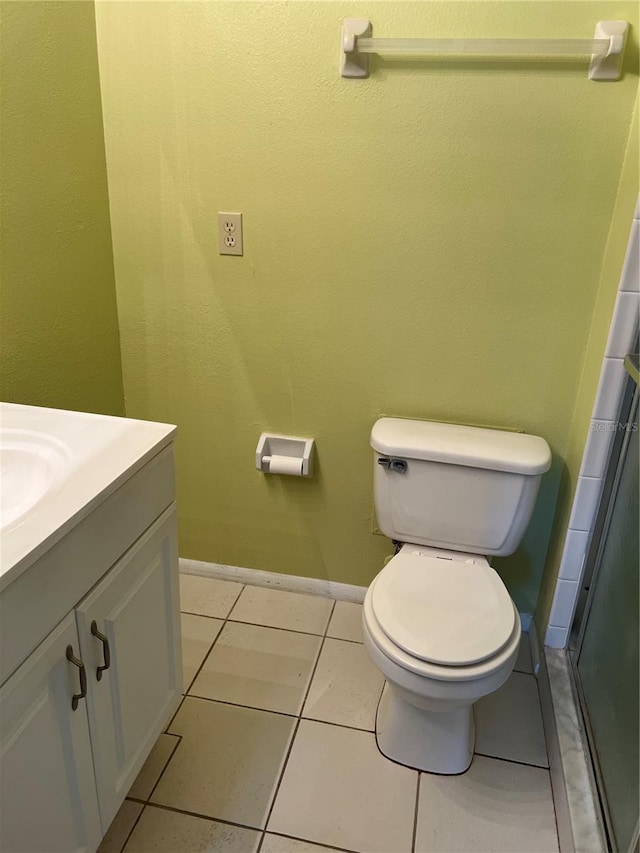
(606, 659)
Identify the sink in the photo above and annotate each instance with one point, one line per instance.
(56, 466)
(31, 465)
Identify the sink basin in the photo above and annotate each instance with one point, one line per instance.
(31, 465)
(55, 468)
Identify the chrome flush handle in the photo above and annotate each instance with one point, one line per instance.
(398, 465)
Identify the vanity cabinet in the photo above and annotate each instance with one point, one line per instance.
(48, 796)
(67, 760)
(130, 701)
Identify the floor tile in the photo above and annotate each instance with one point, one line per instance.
(279, 609)
(163, 831)
(346, 622)
(153, 767)
(509, 722)
(227, 763)
(338, 790)
(523, 662)
(207, 596)
(495, 807)
(280, 844)
(260, 667)
(346, 686)
(121, 826)
(198, 634)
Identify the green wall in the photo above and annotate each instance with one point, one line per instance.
(615, 250)
(59, 343)
(427, 242)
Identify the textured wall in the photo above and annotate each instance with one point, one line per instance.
(425, 243)
(58, 325)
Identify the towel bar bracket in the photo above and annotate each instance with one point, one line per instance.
(609, 67)
(352, 63)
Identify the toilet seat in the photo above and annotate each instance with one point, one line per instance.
(430, 670)
(448, 611)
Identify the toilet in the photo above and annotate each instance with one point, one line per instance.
(438, 621)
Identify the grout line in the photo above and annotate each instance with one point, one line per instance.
(202, 615)
(292, 716)
(555, 813)
(173, 716)
(277, 628)
(237, 704)
(526, 675)
(280, 713)
(329, 618)
(337, 725)
(310, 841)
(345, 640)
(278, 783)
(269, 710)
(135, 823)
(244, 586)
(512, 761)
(272, 627)
(415, 814)
(208, 615)
(294, 734)
(202, 816)
(166, 764)
(204, 659)
(188, 686)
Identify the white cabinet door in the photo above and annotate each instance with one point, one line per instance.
(47, 791)
(136, 609)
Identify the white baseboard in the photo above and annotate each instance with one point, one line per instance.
(293, 583)
(290, 583)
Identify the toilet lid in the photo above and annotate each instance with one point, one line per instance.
(443, 611)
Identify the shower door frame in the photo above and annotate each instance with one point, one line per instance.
(628, 410)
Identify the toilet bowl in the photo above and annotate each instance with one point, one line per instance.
(438, 621)
(425, 716)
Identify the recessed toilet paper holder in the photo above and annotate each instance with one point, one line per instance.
(284, 454)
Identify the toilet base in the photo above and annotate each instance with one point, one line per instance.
(432, 741)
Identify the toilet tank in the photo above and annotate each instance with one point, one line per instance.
(457, 487)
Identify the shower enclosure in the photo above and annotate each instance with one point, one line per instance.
(604, 644)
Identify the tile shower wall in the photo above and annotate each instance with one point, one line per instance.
(613, 376)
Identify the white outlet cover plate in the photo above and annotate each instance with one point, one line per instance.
(230, 233)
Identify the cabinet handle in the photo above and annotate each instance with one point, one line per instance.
(83, 677)
(106, 651)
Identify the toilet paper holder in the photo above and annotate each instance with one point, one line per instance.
(284, 454)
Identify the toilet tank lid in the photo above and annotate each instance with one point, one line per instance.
(475, 447)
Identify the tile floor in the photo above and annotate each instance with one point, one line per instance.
(272, 748)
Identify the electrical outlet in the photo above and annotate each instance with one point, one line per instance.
(230, 233)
